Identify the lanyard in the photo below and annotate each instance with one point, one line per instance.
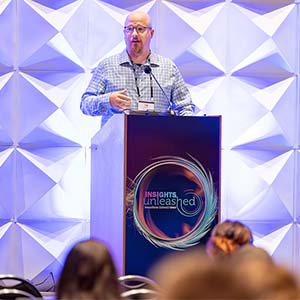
(136, 83)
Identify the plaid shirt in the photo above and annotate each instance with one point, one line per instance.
(117, 72)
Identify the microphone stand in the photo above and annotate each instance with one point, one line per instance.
(148, 70)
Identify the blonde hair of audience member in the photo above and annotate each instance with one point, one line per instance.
(89, 273)
(192, 275)
(226, 238)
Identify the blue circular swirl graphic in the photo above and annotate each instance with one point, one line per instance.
(173, 202)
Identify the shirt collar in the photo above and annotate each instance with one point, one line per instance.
(125, 59)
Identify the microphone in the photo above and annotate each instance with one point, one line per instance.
(148, 70)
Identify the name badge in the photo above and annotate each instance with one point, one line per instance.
(146, 105)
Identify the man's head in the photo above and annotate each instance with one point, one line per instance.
(138, 33)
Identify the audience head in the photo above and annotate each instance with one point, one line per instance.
(248, 273)
(226, 238)
(249, 252)
(266, 279)
(249, 276)
(192, 275)
(88, 273)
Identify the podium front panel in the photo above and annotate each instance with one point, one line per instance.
(172, 172)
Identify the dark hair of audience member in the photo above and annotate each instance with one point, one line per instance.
(89, 273)
(226, 238)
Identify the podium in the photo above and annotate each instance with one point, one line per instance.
(155, 186)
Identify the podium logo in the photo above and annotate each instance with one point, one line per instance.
(173, 202)
(189, 206)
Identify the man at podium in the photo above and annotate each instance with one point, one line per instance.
(136, 79)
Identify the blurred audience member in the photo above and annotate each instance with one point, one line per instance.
(192, 275)
(250, 252)
(237, 271)
(250, 275)
(226, 238)
(88, 273)
(266, 279)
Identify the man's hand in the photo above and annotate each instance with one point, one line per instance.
(119, 100)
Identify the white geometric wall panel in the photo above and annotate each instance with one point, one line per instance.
(240, 60)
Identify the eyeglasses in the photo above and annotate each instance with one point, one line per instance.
(139, 29)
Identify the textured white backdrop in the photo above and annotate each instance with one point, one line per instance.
(240, 59)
